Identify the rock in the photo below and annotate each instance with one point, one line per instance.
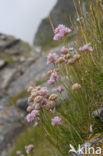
(22, 104)
(8, 75)
(60, 14)
(8, 130)
(98, 113)
(2, 63)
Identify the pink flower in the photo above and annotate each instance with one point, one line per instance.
(52, 58)
(37, 106)
(60, 89)
(86, 47)
(44, 101)
(32, 116)
(36, 124)
(64, 31)
(57, 37)
(61, 31)
(29, 117)
(29, 148)
(64, 50)
(51, 81)
(43, 92)
(54, 78)
(35, 113)
(60, 26)
(56, 121)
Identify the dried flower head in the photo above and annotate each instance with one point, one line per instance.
(76, 57)
(53, 97)
(37, 106)
(49, 72)
(29, 108)
(49, 105)
(76, 86)
(67, 56)
(60, 60)
(38, 99)
(29, 90)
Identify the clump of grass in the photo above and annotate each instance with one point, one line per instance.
(82, 77)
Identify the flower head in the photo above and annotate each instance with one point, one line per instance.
(64, 50)
(52, 58)
(43, 92)
(86, 48)
(60, 89)
(29, 117)
(60, 27)
(38, 99)
(61, 31)
(54, 78)
(32, 116)
(76, 86)
(29, 148)
(57, 37)
(53, 97)
(56, 121)
(60, 60)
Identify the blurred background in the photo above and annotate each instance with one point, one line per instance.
(21, 18)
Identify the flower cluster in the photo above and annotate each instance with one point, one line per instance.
(61, 31)
(41, 99)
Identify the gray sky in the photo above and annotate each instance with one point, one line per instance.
(22, 17)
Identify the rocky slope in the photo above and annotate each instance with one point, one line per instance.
(16, 57)
(61, 13)
(28, 66)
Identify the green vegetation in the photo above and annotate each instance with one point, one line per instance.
(37, 137)
(82, 79)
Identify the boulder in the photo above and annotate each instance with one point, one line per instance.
(2, 63)
(60, 14)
